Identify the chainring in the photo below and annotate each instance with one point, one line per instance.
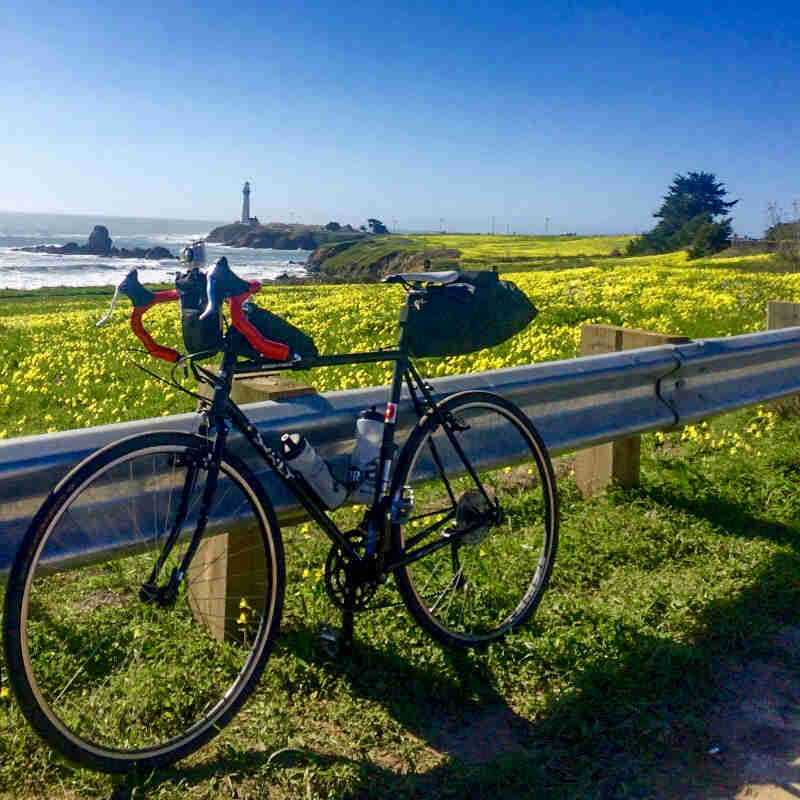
(348, 590)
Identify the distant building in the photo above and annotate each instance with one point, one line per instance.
(246, 218)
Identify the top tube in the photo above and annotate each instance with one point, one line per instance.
(334, 360)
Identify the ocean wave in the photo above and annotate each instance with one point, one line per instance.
(179, 238)
(21, 270)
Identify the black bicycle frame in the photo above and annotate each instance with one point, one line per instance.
(222, 408)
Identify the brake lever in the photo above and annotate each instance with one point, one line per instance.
(212, 304)
(143, 299)
(229, 285)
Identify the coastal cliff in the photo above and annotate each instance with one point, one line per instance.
(373, 258)
(280, 236)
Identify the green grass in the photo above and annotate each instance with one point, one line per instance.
(529, 253)
(653, 589)
(355, 259)
(485, 248)
(509, 253)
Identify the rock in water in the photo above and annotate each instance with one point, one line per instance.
(99, 241)
(158, 252)
(99, 244)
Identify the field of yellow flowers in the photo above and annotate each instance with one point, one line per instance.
(661, 599)
(485, 248)
(58, 371)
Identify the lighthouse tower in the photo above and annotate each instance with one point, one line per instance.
(246, 203)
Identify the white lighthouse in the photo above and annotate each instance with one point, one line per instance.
(246, 203)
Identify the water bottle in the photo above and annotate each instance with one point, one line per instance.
(301, 456)
(363, 470)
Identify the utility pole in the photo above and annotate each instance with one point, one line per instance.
(546, 225)
(492, 226)
(796, 220)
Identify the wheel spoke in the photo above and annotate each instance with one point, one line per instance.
(106, 671)
(504, 524)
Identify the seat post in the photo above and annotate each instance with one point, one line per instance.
(402, 340)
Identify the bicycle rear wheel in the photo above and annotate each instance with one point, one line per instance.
(501, 522)
(109, 677)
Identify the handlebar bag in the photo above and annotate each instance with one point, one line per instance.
(476, 312)
(206, 334)
(198, 334)
(275, 328)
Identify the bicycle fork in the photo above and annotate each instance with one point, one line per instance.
(167, 594)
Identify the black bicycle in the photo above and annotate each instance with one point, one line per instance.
(157, 563)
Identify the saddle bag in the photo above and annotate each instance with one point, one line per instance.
(478, 311)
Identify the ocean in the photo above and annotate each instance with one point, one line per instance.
(35, 270)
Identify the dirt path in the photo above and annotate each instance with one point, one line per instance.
(753, 751)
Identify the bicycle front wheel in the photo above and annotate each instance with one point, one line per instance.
(497, 526)
(110, 677)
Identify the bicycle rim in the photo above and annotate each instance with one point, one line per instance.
(113, 681)
(490, 579)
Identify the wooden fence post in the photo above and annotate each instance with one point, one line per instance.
(255, 387)
(784, 314)
(223, 569)
(617, 462)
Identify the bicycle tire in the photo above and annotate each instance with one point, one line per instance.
(488, 582)
(111, 681)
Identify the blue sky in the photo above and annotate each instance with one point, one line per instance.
(415, 112)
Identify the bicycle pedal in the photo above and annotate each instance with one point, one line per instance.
(333, 640)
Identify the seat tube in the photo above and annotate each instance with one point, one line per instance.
(382, 485)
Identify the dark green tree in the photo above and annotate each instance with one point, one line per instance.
(687, 218)
(376, 226)
(710, 238)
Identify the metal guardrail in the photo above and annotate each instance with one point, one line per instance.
(574, 404)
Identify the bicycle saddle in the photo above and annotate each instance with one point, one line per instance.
(448, 276)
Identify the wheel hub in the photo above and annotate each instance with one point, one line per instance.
(474, 514)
